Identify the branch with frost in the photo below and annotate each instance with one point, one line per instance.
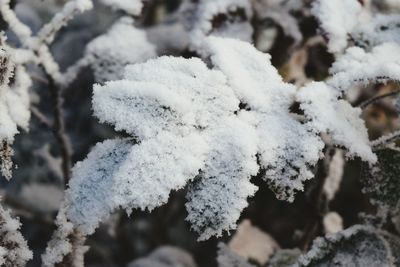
(70, 10)
(66, 248)
(14, 103)
(385, 140)
(14, 249)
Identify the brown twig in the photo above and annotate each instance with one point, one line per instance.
(374, 99)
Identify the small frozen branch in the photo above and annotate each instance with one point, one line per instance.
(377, 98)
(385, 140)
(70, 10)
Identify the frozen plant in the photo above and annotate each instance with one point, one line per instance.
(198, 108)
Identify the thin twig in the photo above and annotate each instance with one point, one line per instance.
(374, 99)
(385, 140)
(59, 129)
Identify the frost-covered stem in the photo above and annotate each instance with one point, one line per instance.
(374, 99)
(75, 257)
(59, 129)
(318, 204)
(385, 140)
(70, 10)
(22, 31)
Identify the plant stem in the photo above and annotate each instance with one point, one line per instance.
(59, 129)
(374, 99)
(386, 139)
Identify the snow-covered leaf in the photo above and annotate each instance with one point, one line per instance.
(228, 258)
(218, 196)
(337, 19)
(118, 174)
(268, 99)
(284, 258)
(327, 114)
(382, 182)
(14, 249)
(356, 246)
(359, 67)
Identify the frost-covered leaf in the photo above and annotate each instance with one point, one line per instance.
(356, 246)
(327, 114)
(284, 258)
(348, 22)
(118, 174)
(219, 125)
(225, 18)
(382, 182)
(14, 251)
(337, 19)
(359, 67)
(268, 99)
(123, 44)
(218, 196)
(228, 258)
(131, 7)
(380, 29)
(165, 257)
